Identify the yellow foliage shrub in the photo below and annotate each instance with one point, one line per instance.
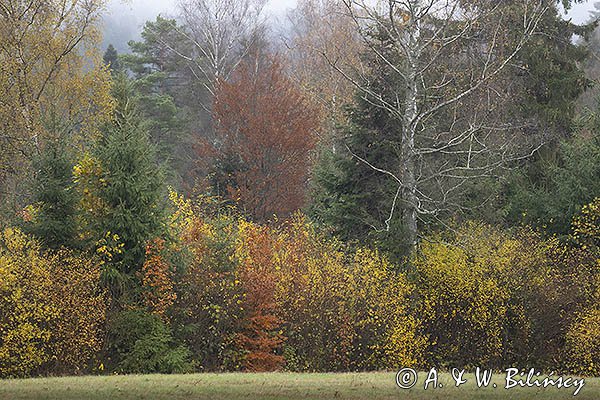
(343, 312)
(583, 344)
(481, 291)
(583, 336)
(51, 308)
(24, 312)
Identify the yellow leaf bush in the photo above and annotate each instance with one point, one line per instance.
(582, 350)
(343, 311)
(583, 344)
(488, 297)
(51, 308)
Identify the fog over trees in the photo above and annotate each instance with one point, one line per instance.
(124, 20)
(308, 185)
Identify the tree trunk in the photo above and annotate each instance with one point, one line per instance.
(409, 127)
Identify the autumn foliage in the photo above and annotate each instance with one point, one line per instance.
(261, 335)
(583, 335)
(52, 309)
(266, 130)
(157, 279)
(344, 310)
(263, 298)
(396, 128)
(252, 297)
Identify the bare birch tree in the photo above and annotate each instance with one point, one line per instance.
(220, 33)
(449, 57)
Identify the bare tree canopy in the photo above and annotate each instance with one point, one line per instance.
(220, 33)
(324, 27)
(446, 85)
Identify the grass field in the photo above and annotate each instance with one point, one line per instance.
(283, 386)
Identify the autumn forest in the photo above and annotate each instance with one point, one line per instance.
(386, 184)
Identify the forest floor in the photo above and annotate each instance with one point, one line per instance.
(284, 386)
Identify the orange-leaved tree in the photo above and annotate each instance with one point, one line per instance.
(266, 130)
(261, 336)
(157, 279)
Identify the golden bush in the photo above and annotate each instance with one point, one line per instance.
(52, 309)
(583, 344)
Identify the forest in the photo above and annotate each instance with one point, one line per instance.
(388, 184)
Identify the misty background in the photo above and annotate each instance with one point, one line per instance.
(125, 18)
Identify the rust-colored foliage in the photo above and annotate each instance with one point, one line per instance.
(267, 130)
(157, 280)
(261, 336)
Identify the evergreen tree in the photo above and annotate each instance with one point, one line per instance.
(132, 187)
(111, 59)
(551, 71)
(56, 222)
(350, 196)
(164, 91)
(548, 189)
(548, 193)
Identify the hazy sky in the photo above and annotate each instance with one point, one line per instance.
(153, 7)
(580, 12)
(126, 17)
(167, 6)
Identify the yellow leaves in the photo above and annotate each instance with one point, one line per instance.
(57, 76)
(586, 226)
(24, 314)
(248, 274)
(182, 218)
(108, 247)
(326, 293)
(468, 288)
(583, 343)
(50, 304)
(87, 174)
(474, 281)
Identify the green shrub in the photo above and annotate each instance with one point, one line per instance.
(142, 343)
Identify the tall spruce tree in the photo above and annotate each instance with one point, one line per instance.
(111, 59)
(132, 187)
(548, 193)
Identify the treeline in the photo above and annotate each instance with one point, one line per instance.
(390, 188)
(225, 294)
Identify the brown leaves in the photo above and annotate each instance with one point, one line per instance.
(267, 129)
(260, 336)
(157, 280)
